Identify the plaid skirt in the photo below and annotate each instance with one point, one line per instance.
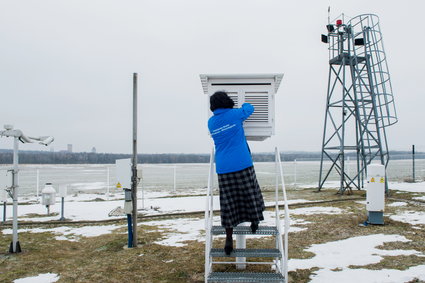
(240, 198)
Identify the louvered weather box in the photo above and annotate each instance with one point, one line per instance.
(258, 90)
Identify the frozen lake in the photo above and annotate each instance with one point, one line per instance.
(190, 178)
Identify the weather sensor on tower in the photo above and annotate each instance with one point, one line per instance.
(258, 90)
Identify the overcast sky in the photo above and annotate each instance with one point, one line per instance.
(66, 68)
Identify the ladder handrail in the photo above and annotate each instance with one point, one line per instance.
(286, 221)
(279, 244)
(209, 210)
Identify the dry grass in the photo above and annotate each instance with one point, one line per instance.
(105, 258)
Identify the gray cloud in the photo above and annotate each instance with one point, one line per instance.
(66, 68)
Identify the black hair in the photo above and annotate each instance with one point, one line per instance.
(220, 99)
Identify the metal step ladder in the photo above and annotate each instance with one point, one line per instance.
(278, 256)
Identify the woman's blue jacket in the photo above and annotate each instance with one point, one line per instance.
(231, 149)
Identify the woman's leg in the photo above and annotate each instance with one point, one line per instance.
(257, 200)
(254, 226)
(228, 246)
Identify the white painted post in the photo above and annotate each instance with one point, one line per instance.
(38, 185)
(175, 169)
(107, 182)
(241, 244)
(143, 195)
(348, 165)
(4, 211)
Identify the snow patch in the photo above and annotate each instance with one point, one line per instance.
(420, 198)
(41, 278)
(181, 230)
(80, 208)
(316, 210)
(178, 231)
(408, 187)
(70, 233)
(369, 276)
(411, 217)
(358, 251)
(397, 203)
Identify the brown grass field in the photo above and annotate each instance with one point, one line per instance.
(106, 259)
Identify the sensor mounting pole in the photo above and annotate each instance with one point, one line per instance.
(18, 135)
(134, 163)
(15, 247)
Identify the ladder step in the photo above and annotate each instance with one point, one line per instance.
(247, 253)
(245, 277)
(246, 230)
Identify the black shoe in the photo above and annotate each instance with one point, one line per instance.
(254, 227)
(228, 247)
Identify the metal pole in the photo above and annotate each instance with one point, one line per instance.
(62, 210)
(343, 106)
(130, 232)
(15, 246)
(134, 165)
(324, 143)
(413, 158)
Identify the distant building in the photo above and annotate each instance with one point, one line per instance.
(69, 148)
(93, 150)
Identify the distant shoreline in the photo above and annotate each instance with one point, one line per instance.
(64, 157)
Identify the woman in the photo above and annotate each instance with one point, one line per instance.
(240, 194)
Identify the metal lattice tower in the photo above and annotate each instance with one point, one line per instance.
(360, 102)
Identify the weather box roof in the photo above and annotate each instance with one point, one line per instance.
(242, 79)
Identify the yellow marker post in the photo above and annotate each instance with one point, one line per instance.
(372, 180)
(382, 180)
(119, 185)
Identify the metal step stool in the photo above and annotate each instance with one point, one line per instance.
(278, 256)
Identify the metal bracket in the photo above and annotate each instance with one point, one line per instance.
(9, 191)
